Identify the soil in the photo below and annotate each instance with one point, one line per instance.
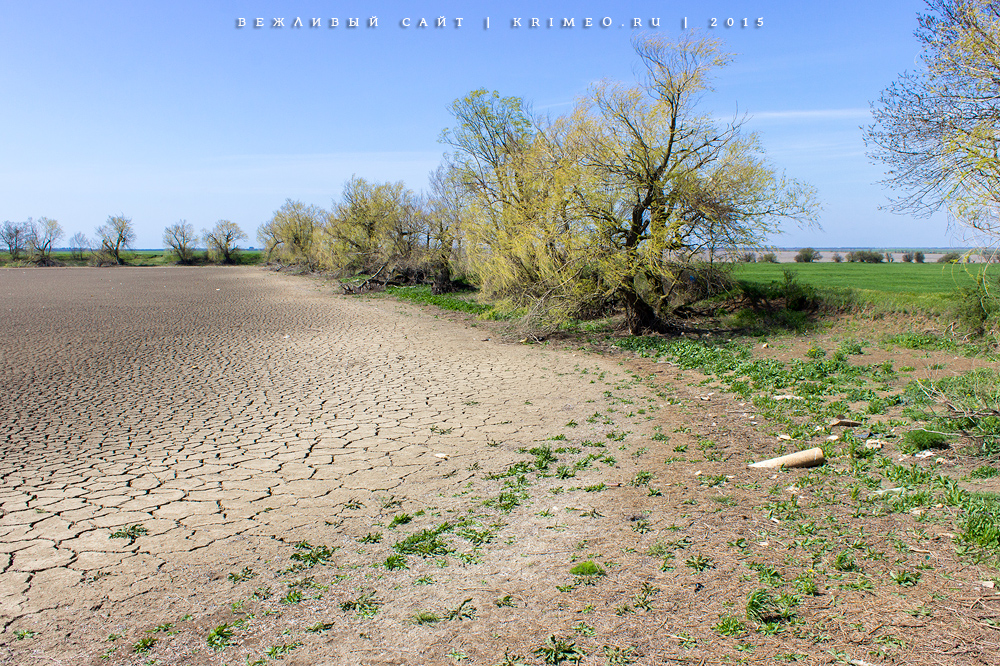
(212, 465)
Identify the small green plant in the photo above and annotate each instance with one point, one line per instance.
(556, 650)
(506, 601)
(699, 562)
(246, 574)
(400, 519)
(595, 488)
(641, 479)
(425, 617)
(220, 637)
(279, 651)
(371, 537)
(365, 605)
(905, 578)
(729, 625)
(144, 645)
(588, 568)
(922, 440)
(760, 606)
(395, 562)
(309, 555)
(24, 634)
(984, 472)
(131, 532)
(844, 561)
(292, 597)
(619, 656)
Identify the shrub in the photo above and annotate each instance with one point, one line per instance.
(907, 257)
(865, 257)
(768, 258)
(978, 307)
(837, 258)
(918, 257)
(950, 258)
(747, 258)
(807, 255)
(922, 440)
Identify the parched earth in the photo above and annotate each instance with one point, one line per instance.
(229, 466)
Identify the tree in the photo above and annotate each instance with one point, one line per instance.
(222, 241)
(665, 181)
(936, 129)
(376, 228)
(807, 255)
(42, 235)
(15, 236)
(447, 204)
(78, 244)
(603, 205)
(180, 239)
(116, 235)
(291, 233)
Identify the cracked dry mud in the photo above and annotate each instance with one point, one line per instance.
(231, 413)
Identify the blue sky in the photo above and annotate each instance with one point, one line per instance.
(168, 111)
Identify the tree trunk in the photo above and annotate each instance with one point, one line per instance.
(442, 281)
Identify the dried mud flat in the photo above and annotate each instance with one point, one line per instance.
(228, 466)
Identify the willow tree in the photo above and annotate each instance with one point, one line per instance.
(660, 179)
(375, 228)
(291, 234)
(521, 240)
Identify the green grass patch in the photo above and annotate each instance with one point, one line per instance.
(461, 301)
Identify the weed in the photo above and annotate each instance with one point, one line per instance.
(309, 555)
(506, 601)
(371, 537)
(699, 562)
(425, 617)
(395, 562)
(984, 472)
(144, 645)
(292, 597)
(565, 472)
(905, 578)
(400, 519)
(641, 479)
(584, 629)
(131, 532)
(24, 634)
(220, 637)
(365, 605)
(279, 651)
(588, 568)
(246, 574)
(556, 650)
(844, 561)
(643, 598)
(922, 440)
(729, 625)
(424, 580)
(619, 656)
(425, 543)
(595, 488)
(261, 593)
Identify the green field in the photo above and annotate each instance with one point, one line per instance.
(143, 258)
(894, 278)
